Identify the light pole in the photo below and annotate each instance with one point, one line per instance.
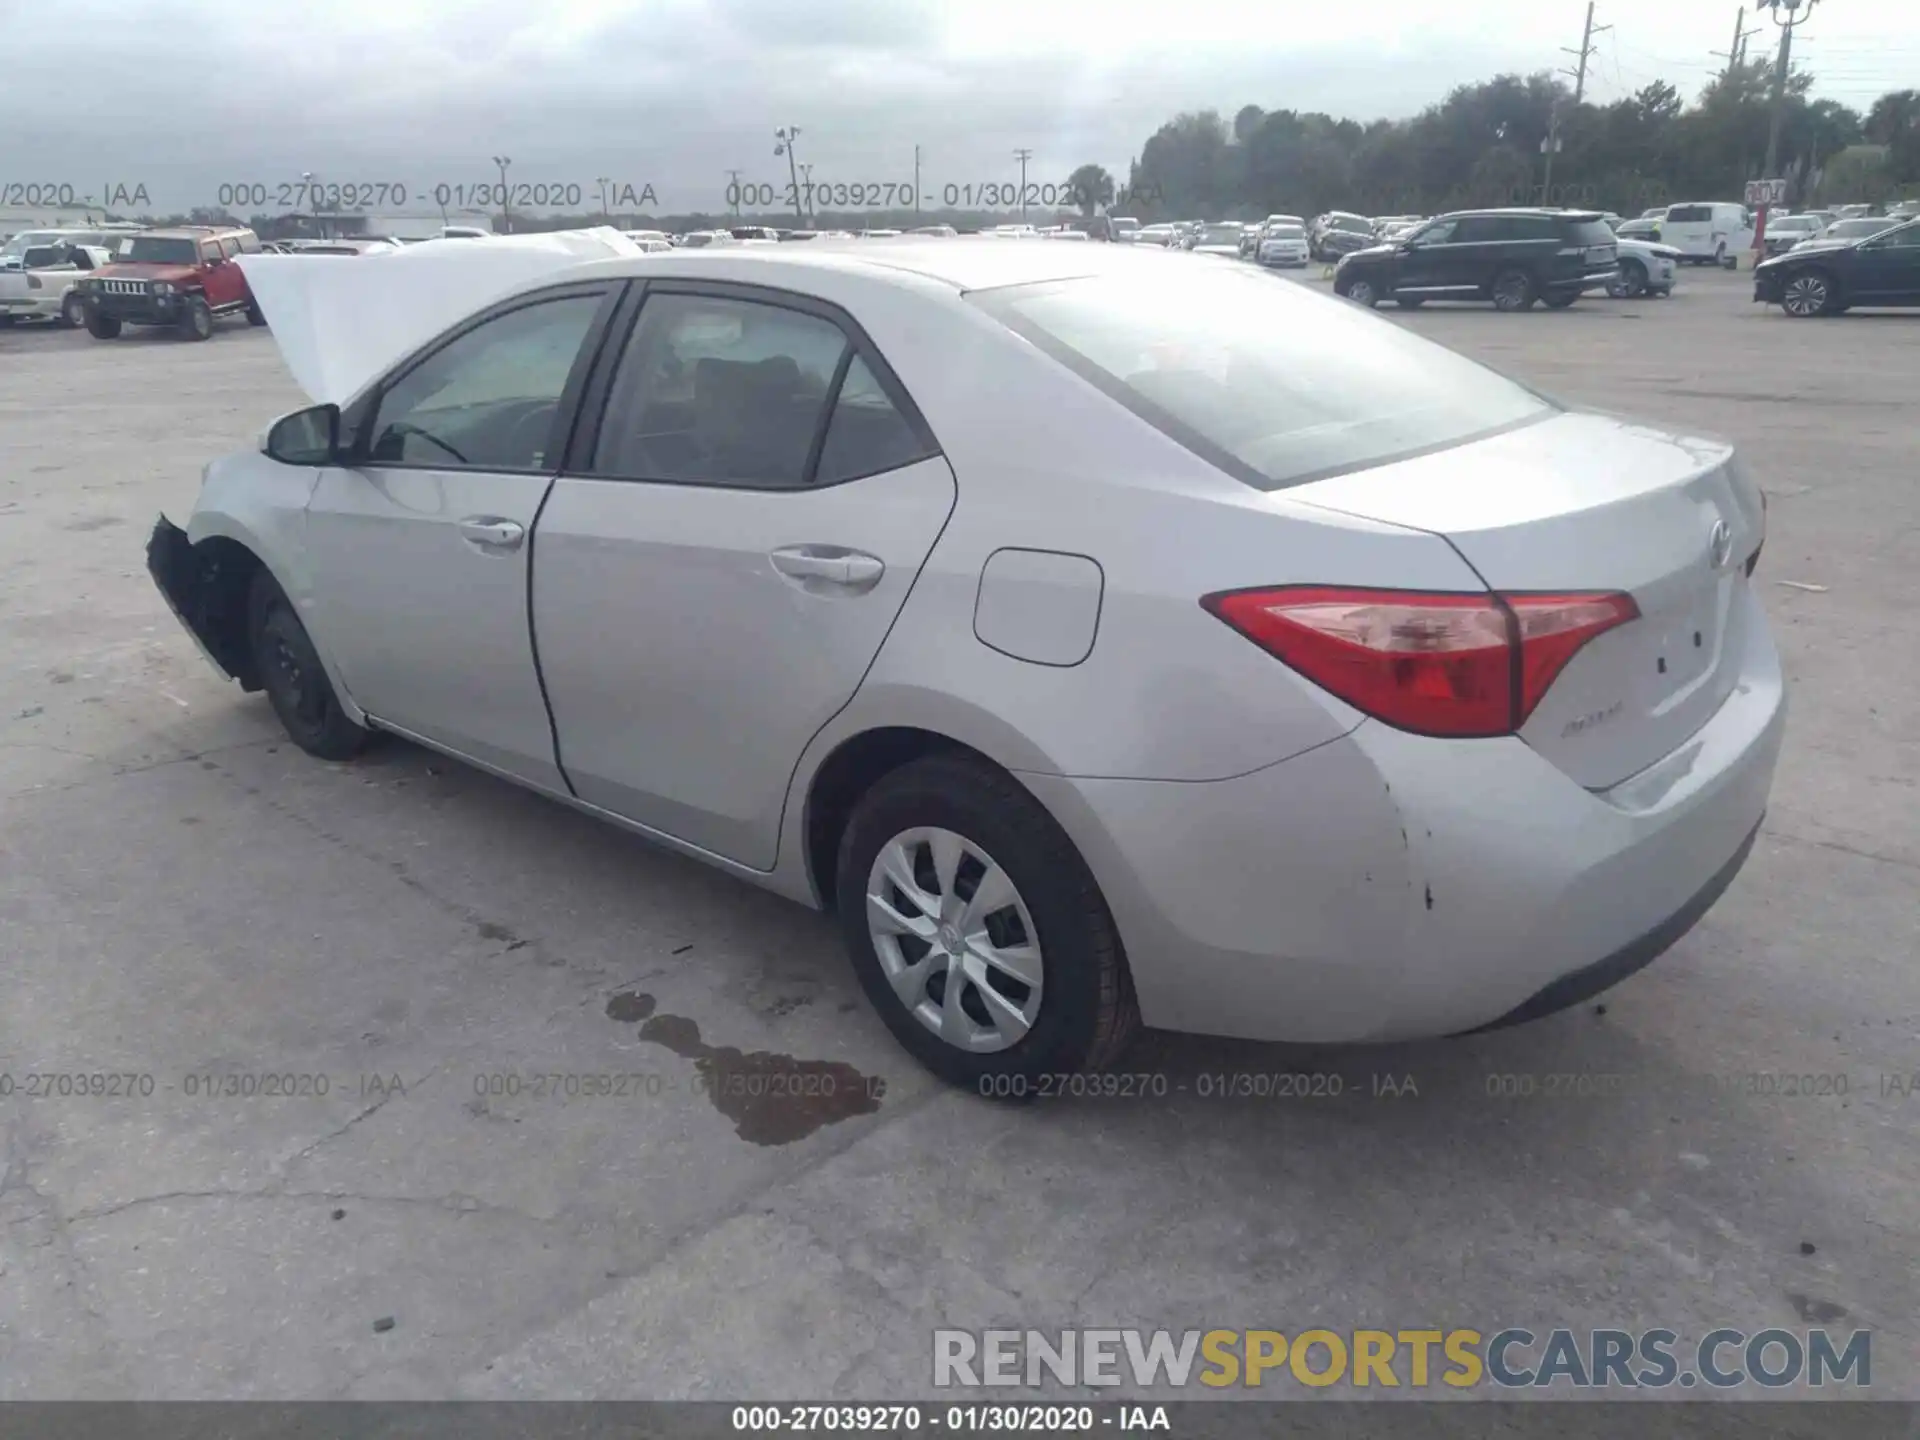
(916, 182)
(605, 214)
(806, 190)
(506, 213)
(784, 138)
(1788, 15)
(313, 201)
(1023, 156)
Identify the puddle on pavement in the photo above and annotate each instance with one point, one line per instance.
(772, 1099)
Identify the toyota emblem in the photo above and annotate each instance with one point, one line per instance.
(1720, 547)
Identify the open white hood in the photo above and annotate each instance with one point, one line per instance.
(340, 320)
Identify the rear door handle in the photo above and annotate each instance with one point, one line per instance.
(492, 533)
(830, 564)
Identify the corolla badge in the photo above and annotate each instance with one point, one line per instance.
(1720, 547)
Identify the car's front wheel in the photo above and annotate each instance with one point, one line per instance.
(196, 321)
(255, 316)
(1361, 291)
(977, 930)
(73, 312)
(1808, 294)
(1559, 299)
(1628, 281)
(294, 679)
(103, 327)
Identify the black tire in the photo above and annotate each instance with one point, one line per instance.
(6, 322)
(294, 679)
(1360, 289)
(73, 312)
(196, 320)
(1559, 299)
(1810, 293)
(1409, 302)
(254, 316)
(1630, 282)
(1513, 291)
(1087, 1014)
(103, 327)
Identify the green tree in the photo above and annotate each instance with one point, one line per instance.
(1091, 187)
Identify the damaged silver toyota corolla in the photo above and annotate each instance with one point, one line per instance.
(1104, 638)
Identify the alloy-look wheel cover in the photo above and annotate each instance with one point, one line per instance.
(1806, 295)
(955, 939)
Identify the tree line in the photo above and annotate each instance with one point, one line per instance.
(1482, 146)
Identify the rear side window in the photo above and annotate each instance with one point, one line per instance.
(1272, 383)
(1689, 214)
(718, 391)
(1478, 229)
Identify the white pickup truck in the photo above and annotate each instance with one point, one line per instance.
(43, 287)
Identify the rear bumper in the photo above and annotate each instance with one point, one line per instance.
(1582, 284)
(1387, 886)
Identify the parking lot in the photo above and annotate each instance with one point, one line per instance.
(438, 964)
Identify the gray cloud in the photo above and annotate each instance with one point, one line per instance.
(671, 93)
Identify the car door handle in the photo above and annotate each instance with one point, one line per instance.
(493, 533)
(830, 564)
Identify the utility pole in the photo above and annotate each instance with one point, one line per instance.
(785, 136)
(916, 182)
(506, 196)
(1795, 14)
(1551, 145)
(1023, 156)
(733, 191)
(1584, 53)
(1736, 54)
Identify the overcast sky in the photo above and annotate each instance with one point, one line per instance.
(182, 95)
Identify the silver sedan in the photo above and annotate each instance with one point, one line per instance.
(1103, 640)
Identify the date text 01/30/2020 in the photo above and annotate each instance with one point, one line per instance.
(905, 194)
(311, 194)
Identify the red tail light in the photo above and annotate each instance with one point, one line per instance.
(1435, 664)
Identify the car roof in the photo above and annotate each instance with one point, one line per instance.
(962, 262)
(189, 232)
(1534, 210)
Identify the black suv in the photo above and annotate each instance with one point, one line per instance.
(1511, 257)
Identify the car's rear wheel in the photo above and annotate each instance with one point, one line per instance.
(1629, 280)
(294, 679)
(254, 314)
(1559, 299)
(73, 312)
(1808, 294)
(1513, 291)
(977, 930)
(103, 327)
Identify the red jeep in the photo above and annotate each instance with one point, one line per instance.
(183, 277)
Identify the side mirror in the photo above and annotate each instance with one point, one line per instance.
(306, 437)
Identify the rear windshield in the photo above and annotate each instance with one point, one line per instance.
(1349, 222)
(1589, 232)
(1221, 235)
(1275, 384)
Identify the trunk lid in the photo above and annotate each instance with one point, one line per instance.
(1585, 502)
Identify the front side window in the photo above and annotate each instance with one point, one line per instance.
(487, 400)
(1905, 238)
(1274, 384)
(719, 391)
(1440, 232)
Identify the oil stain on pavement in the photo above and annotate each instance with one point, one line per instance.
(772, 1099)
